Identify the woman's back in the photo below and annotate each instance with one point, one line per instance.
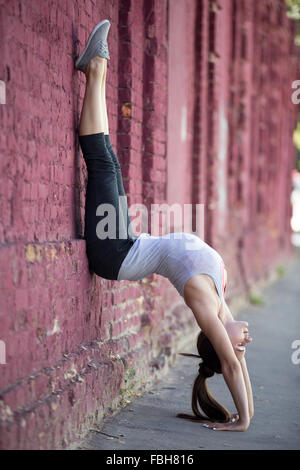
(176, 256)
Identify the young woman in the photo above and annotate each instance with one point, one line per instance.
(195, 269)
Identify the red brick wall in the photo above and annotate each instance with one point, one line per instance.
(78, 345)
(233, 69)
(260, 156)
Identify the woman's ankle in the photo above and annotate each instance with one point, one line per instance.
(96, 66)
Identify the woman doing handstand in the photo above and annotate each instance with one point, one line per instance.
(195, 269)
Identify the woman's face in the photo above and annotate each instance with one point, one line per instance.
(239, 336)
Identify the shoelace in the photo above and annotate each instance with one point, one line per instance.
(102, 48)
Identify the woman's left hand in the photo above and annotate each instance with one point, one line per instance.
(236, 426)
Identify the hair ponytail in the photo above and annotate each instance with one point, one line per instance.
(201, 396)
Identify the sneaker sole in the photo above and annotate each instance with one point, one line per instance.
(89, 41)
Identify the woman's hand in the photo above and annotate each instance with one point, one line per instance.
(236, 416)
(237, 426)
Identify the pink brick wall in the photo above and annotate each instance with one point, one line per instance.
(73, 339)
(261, 118)
(234, 72)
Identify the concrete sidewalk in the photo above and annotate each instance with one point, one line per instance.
(150, 422)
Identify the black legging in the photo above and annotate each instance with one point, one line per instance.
(104, 186)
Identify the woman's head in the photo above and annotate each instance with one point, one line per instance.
(201, 395)
(207, 353)
(238, 334)
(210, 364)
(237, 331)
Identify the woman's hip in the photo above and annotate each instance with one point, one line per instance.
(106, 256)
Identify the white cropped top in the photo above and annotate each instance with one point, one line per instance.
(177, 256)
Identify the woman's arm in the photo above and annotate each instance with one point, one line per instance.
(248, 387)
(244, 369)
(215, 331)
(234, 379)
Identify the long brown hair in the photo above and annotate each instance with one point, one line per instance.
(201, 395)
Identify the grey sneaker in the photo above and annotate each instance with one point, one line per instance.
(96, 46)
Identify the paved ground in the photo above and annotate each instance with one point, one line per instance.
(150, 422)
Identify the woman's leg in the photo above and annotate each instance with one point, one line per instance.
(103, 95)
(92, 119)
(104, 233)
(121, 190)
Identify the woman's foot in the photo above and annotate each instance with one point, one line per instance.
(96, 46)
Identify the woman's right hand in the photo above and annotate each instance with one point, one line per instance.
(237, 426)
